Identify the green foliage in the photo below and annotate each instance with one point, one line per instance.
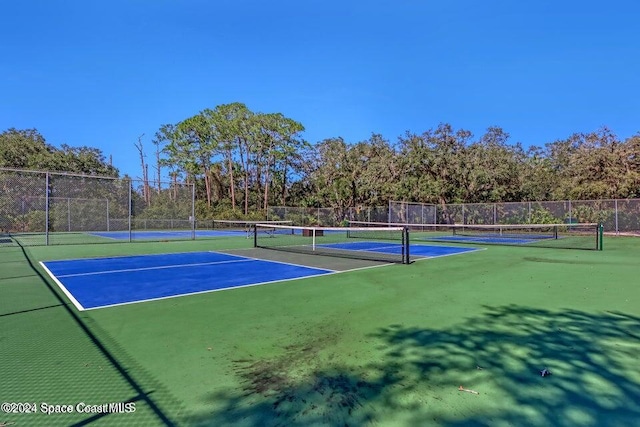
(27, 149)
(34, 221)
(542, 216)
(592, 214)
(242, 162)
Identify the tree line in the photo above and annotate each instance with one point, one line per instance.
(242, 162)
(28, 149)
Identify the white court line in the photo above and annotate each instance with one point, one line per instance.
(362, 250)
(106, 237)
(59, 283)
(201, 292)
(289, 263)
(423, 257)
(80, 307)
(244, 258)
(142, 255)
(374, 249)
(160, 267)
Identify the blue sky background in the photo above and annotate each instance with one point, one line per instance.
(101, 73)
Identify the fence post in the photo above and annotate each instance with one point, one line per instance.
(46, 209)
(616, 209)
(570, 214)
(193, 211)
(130, 210)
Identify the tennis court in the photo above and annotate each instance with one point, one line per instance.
(560, 236)
(92, 283)
(291, 331)
(103, 282)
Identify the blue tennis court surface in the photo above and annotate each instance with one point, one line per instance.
(423, 251)
(102, 282)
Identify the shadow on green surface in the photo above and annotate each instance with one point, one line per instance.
(593, 359)
(28, 322)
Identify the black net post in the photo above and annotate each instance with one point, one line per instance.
(254, 230)
(405, 246)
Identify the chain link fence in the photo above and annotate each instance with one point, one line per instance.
(617, 216)
(412, 213)
(47, 208)
(620, 216)
(308, 216)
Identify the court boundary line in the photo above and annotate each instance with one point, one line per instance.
(208, 291)
(126, 270)
(111, 359)
(69, 295)
(422, 258)
(281, 262)
(314, 253)
(80, 307)
(143, 255)
(382, 263)
(326, 245)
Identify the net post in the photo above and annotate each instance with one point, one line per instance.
(47, 190)
(313, 239)
(403, 253)
(599, 236)
(254, 229)
(405, 246)
(555, 231)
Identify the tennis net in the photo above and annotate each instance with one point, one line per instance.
(385, 244)
(241, 226)
(567, 236)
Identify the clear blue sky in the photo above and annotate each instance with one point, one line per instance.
(101, 73)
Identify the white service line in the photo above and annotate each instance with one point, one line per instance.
(125, 270)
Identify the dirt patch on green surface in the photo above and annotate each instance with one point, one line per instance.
(301, 384)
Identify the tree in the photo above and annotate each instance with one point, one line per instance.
(230, 120)
(333, 174)
(493, 169)
(192, 146)
(27, 149)
(278, 139)
(146, 193)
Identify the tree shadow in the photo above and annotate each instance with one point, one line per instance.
(83, 344)
(592, 358)
(415, 373)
